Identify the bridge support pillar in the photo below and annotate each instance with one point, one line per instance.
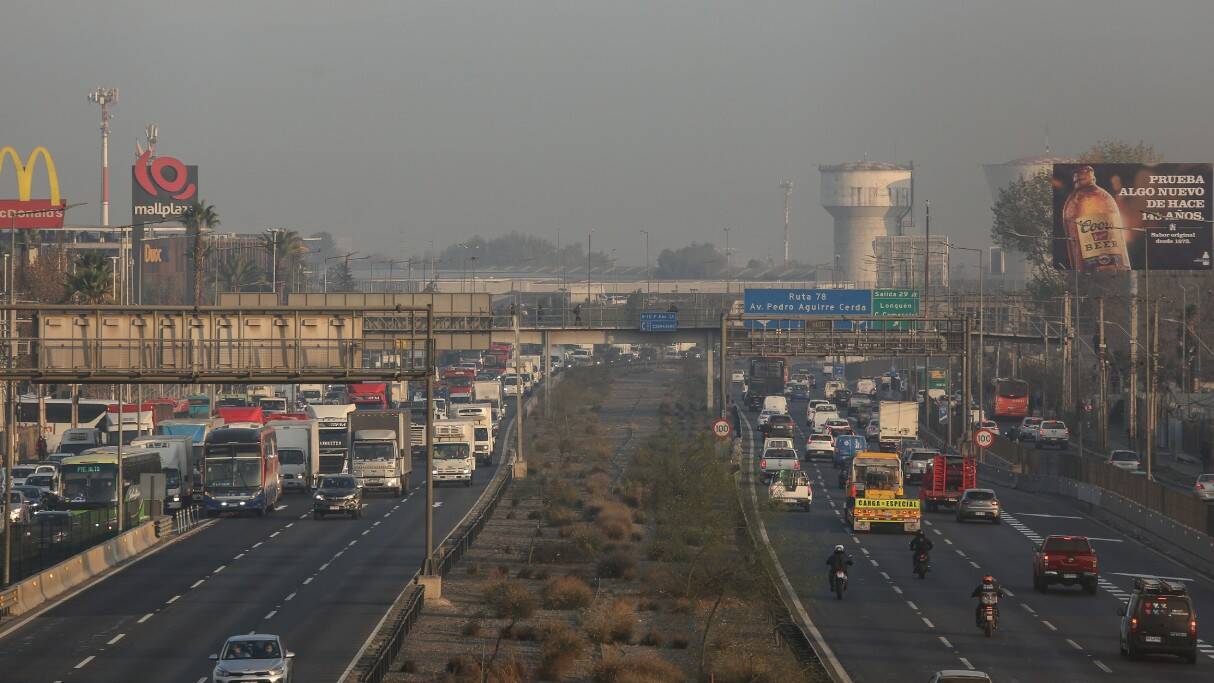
(433, 583)
(710, 393)
(547, 372)
(520, 469)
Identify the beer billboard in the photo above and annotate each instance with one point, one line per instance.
(1120, 217)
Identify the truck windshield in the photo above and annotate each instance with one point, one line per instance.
(373, 451)
(232, 475)
(878, 476)
(482, 434)
(172, 478)
(446, 451)
(290, 456)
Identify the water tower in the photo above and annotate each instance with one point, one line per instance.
(868, 199)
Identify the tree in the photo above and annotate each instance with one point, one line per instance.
(1113, 151)
(198, 218)
(286, 249)
(340, 278)
(238, 273)
(1024, 222)
(91, 281)
(693, 261)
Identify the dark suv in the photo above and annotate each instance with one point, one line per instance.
(1159, 619)
(338, 494)
(780, 425)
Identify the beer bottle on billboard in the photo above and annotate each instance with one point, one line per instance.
(1091, 217)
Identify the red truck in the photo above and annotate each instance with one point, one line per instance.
(945, 478)
(1068, 560)
(237, 414)
(368, 396)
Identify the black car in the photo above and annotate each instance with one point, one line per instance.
(754, 401)
(780, 425)
(338, 494)
(1159, 619)
(842, 398)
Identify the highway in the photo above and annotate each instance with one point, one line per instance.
(320, 585)
(892, 625)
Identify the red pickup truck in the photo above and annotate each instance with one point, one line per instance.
(945, 478)
(1068, 560)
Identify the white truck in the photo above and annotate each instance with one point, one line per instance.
(489, 391)
(310, 393)
(481, 414)
(866, 386)
(379, 450)
(776, 404)
(454, 441)
(332, 420)
(899, 420)
(778, 454)
(298, 452)
(175, 463)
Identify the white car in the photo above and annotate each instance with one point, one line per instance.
(1205, 486)
(1052, 433)
(1125, 460)
(18, 508)
(819, 445)
(738, 376)
(20, 472)
(1028, 428)
(765, 415)
(253, 657)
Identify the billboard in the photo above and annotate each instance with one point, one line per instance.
(161, 188)
(25, 211)
(1119, 217)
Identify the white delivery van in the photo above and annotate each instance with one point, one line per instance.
(778, 404)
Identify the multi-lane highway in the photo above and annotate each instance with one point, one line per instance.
(321, 585)
(892, 625)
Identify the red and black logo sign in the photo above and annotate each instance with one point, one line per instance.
(161, 188)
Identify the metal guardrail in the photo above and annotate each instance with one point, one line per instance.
(411, 602)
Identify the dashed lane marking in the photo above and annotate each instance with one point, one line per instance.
(937, 532)
(144, 618)
(271, 614)
(912, 605)
(289, 525)
(85, 661)
(308, 580)
(238, 557)
(897, 590)
(280, 507)
(966, 662)
(885, 576)
(1028, 609)
(365, 532)
(974, 565)
(173, 599)
(1073, 644)
(258, 544)
(116, 638)
(1049, 625)
(220, 568)
(377, 523)
(304, 516)
(288, 598)
(928, 622)
(275, 534)
(948, 541)
(197, 583)
(1100, 665)
(945, 642)
(875, 563)
(323, 567)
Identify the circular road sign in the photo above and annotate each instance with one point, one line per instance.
(984, 438)
(721, 428)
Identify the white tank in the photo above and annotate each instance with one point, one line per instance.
(867, 200)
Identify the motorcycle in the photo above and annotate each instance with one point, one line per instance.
(838, 583)
(922, 565)
(989, 615)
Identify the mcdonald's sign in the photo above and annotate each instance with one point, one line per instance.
(25, 212)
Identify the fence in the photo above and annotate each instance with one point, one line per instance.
(52, 537)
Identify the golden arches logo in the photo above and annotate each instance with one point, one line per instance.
(25, 172)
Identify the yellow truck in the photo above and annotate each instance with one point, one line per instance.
(875, 494)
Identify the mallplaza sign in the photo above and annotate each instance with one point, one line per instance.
(25, 212)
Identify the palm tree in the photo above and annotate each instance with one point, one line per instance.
(239, 272)
(90, 282)
(197, 218)
(286, 248)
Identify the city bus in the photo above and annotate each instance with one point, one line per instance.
(1011, 398)
(240, 471)
(59, 417)
(89, 480)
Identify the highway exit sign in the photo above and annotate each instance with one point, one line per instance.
(895, 302)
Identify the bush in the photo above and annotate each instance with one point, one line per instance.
(652, 639)
(509, 600)
(617, 565)
(634, 669)
(615, 521)
(587, 539)
(738, 668)
(535, 514)
(560, 651)
(611, 622)
(678, 643)
(559, 515)
(552, 552)
(567, 592)
(598, 484)
(524, 572)
(472, 628)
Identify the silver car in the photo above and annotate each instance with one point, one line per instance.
(1125, 460)
(253, 657)
(978, 504)
(18, 508)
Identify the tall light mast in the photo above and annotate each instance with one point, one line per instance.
(786, 185)
(105, 97)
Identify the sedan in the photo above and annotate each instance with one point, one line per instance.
(1125, 460)
(1205, 486)
(978, 504)
(43, 482)
(18, 508)
(959, 676)
(252, 657)
(338, 494)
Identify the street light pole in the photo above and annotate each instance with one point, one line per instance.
(648, 273)
(588, 253)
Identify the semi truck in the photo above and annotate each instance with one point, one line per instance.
(875, 494)
(331, 421)
(489, 391)
(899, 420)
(298, 452)
(767, 376)
(454, 441)
(379, 450)
(369, 395)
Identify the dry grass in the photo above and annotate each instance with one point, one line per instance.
(619, 564)
(637, 669)
(567, 592)
(559, 654)
(509, 599)
(614, 520)
(611, 621)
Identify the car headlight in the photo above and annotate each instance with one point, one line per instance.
(434, 472)
(320, 497)
(466, 471)
(220, 671)
(278, 670)
(242, 502)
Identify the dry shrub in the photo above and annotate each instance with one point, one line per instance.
(737, 667)
(560, 651)
(561, 493)
(614, 520)
(678, 643)
(472, 628)
(586, 538)
(560, 515)
(637, 669)
(598, 484)
(652, 639)
(611, 622)
(510, 670)
(509, 599)
(617, 565)
(567, 592)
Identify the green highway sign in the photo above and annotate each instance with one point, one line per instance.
(937, 379)
(895, 302)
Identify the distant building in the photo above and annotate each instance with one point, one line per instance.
(868, 200)
(898, 261)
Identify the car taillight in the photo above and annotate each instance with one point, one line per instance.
(796, 464)
(1133, 624)
(1193, 628)
(1045, 559)
(763, 463)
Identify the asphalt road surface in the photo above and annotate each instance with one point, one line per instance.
(893, 626)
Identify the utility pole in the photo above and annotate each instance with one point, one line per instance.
(120, 390)
(104, 97)
(1153, 389)
(785, 185)
(1132, 425)
(649, 273)
(520, 462)
(927, 241)
(588, 252)
(428, 563)
(1102, 418)
(1067, 348)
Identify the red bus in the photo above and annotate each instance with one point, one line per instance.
(1011, 398)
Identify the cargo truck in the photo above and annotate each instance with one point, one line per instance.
(489, 391)
(945, 478)
(331, 421)
(899, 421)
(379, 450)
(176, 462)
(875, 494)
(298, 452)
(481, 416)
(454, 441)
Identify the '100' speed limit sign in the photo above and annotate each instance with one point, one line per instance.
(984, 438)
(721, 428)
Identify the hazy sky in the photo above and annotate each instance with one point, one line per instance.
(394, 123)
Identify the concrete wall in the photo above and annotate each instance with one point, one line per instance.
(72, 572)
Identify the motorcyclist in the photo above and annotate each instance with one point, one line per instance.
(839, 560)
(920, 544)
(991, 587)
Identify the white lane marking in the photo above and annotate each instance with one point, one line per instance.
(271, 614)
(863, 550)
(928, 622)
(352, 543)
(885, 576)
(304, 516)
(364, 533)
(928, 522)
(948, 541)
(258, 544)
(855, 540)
(277, 507)
(324, 567)
(238, 557)
(289, 525)
(273, 534)
(1009, 593)
(220, 568)
(1049, 625)
(960, 552)
(85, 661)
(937, 532)
(966, 662)
(197, 583)
(1073, 644)
(897, 590)
(875, 563)
(912, 605)
(1038, 514)
(116, 638)
(201, 680)
(144, 618)
(288, 598)
(338, 554)
(308, 580)
(974, 565)
(1028, 609)
(387, 514)
(1106, 540)
(945, 641)
(438, 504)
(173, 599)
(377, 523)
(1100, 665)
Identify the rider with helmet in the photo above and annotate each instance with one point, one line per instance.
(920, 544)
(839, 560)
(988, 592)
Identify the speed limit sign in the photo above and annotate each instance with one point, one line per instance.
(721, 428)
(984, 438)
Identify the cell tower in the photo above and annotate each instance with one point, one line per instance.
(786, 185)
(105, 97)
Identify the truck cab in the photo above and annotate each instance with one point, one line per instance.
(378, 455)
(454, 443)
(481, 415)
(778, 454)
